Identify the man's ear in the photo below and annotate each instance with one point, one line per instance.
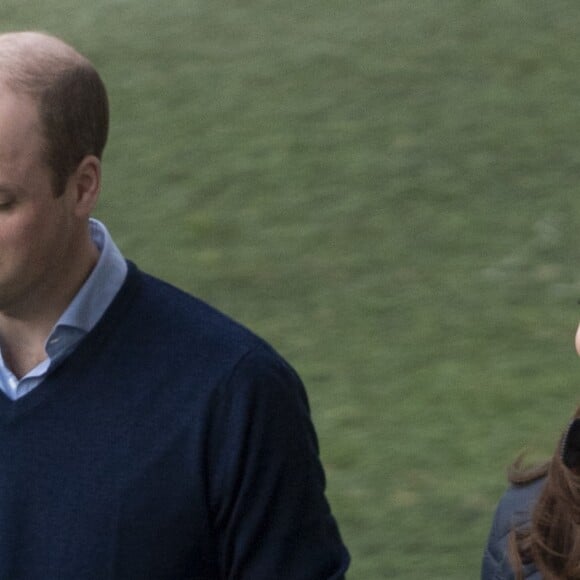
(84, 186)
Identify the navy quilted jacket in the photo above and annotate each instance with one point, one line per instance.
(514, 509)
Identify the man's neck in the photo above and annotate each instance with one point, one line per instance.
(23, 351)
(23, 333)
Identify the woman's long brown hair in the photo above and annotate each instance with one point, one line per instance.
(552, 540)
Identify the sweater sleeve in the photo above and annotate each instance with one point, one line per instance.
(270, 515)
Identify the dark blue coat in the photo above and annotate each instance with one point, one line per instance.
(514, 509)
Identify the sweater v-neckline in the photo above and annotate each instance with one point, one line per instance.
(12, 410)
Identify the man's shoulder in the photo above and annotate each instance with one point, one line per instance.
(514, 510)
(163, 312)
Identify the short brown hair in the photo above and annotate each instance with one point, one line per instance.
(72, 100)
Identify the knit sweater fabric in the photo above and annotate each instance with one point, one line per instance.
(172, 444)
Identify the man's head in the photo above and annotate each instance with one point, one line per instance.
(53, 127)
(70, 95)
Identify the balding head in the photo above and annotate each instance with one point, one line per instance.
(32, 54)
(72, 100)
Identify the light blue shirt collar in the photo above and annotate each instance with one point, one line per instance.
(81, 315)
(101, 286)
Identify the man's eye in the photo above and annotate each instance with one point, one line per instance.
(5, 205)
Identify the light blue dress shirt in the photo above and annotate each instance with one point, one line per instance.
(81, 315)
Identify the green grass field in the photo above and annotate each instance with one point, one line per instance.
(388, 192)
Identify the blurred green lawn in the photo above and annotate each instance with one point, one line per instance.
(385, 190)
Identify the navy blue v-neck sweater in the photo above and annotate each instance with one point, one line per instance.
(172, 444)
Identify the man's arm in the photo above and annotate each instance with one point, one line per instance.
(271, 518)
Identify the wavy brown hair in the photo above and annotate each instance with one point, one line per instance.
(552, 539)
